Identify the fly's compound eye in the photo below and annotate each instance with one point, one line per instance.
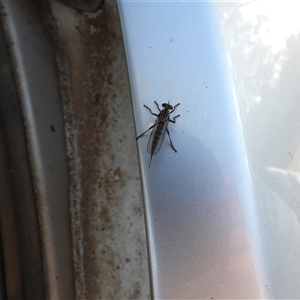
(167, 105)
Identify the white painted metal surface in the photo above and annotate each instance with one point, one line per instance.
(219, 223)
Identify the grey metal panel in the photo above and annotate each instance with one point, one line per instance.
(38, 89)
(22, 272)
(108, 227)
(199, 201)
(90, 89)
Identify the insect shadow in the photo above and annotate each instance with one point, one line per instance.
(159, 128)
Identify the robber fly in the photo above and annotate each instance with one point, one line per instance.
(160, 127)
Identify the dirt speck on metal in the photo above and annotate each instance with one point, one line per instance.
(107, 216)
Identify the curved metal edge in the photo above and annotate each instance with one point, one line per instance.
(38, 87)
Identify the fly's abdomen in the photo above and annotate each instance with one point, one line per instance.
(156, 138)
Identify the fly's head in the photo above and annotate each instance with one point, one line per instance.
(165, 113)
(167, 106)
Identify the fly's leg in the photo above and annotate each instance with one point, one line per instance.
(146, 131)
(174, 119)
(170, 140)
(151, 111)
(174, 107)
(157, 105)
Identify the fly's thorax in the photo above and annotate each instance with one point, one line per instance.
(164, 115)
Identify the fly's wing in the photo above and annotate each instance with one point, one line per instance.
(156, 137)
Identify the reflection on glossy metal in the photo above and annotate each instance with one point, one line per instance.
(160, 127)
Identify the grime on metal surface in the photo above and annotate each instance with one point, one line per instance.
(160, 127)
